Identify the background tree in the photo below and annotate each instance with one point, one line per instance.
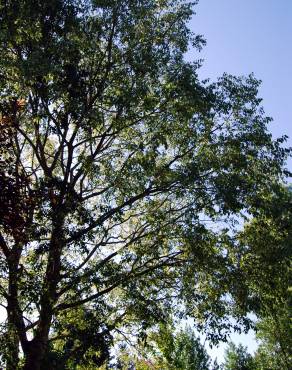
(183, 350)
(133, 174)
(275, 335)
(167, 349)
(268, 248)
(237, 358)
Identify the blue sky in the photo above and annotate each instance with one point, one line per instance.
(245, 36)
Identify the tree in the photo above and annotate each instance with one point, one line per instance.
(266, 260)
(166, 349)
(126, 162)
(183, 351)
(275, 334)
(237, 358)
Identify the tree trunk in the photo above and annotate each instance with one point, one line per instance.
(38, 347)
(12, 306)
(35, 355)
(13, 346)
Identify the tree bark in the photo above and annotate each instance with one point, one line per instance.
(35, 354)
(13, 346)
(38, 347)
(14, 326)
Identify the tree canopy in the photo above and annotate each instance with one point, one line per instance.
(267, 262)
(167, 349)
(237, 358)
(122, 176)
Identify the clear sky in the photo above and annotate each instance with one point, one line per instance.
(245, 36)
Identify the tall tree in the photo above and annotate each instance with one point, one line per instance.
(183, 351)
(266, 260)
(126, 161)
(275, 334)
(237, 358)
(167, 349)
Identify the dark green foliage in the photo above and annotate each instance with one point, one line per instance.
(266, 260)
(122, 176)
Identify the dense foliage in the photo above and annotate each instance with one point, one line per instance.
(237, 358)
(183, 351)
(166, 349)
(122, 175)
(267, 261)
